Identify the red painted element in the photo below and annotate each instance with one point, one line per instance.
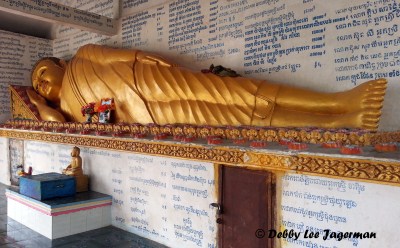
(85, 131)
(46, 129)
(239, 141)
(297, 146)
(139, 135)
(285, 142)
(71, 130)
(189, 139)
(350, 150)
(101, 133)
(386, 147)
(59, 130)
(214, 141)
(57, 213)
(119, 134)
(258, 144)
(179, 137)
(161, 136)
(331, 145)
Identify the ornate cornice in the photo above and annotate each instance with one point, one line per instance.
(270, 134)
(369, 169)
(342, 167)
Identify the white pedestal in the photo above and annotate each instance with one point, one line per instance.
(62, 217)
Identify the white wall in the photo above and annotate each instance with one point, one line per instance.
(163, 199)
(326, 46)
(320, 45)
(4, 162)
(167, 200)
(352, 42)
(316, 204)
(18, 54)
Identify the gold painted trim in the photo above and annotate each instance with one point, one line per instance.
(19, 108)
(336, 166)
(340, 167)
(306, 135)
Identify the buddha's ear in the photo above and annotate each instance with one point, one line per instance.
(40, 70)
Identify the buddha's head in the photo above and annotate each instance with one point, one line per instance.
(47, 76)
(75, 151)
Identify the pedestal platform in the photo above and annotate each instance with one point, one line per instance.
(60, 217)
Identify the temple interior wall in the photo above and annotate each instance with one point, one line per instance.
(307, 43)
(167, 199)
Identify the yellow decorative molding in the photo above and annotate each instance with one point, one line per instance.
(305, 135)
(369, 169)
(366, 169)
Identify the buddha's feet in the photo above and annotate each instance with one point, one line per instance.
(365, 103)
(356, 108)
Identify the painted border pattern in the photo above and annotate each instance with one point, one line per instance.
(343, 167)
(308, 135)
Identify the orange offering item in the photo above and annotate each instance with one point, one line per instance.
(161, 136)
(331, 145)
(258, 144)
(297, 146)
(285, 142)
(139, 135)
(189, 139)
(350, 149)
(239, 141)
(386, 147)
(214, 141)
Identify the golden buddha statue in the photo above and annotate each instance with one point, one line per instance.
(149, 89)
(75, 169)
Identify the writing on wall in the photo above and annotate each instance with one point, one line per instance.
(4, 161)
(62, 13)
(325, 206)
(18, 54)
(268, 34)
(166, 200)
(163, 199)
(334, 47)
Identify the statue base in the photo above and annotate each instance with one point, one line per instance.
(60, 217)
(82, 183)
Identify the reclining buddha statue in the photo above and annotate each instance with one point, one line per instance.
(149, 89)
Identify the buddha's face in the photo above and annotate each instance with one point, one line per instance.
(75, 152)
(47, 78)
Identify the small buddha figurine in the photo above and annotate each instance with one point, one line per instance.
(75, 170)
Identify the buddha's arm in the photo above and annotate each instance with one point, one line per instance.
(148, 58)
(46, 113)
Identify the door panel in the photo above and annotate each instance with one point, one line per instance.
(248, 204)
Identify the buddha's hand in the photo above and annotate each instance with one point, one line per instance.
(46, 112)
(148, 58)
(35, 98)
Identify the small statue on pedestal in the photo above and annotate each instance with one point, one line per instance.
(75, 169)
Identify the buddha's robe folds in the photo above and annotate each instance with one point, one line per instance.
(148, 89)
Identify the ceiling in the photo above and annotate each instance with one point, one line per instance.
(24, 25)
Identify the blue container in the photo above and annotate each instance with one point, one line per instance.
(47, 186)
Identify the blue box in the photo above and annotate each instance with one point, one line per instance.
(47, 186)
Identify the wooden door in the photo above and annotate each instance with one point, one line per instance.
(247, 200)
